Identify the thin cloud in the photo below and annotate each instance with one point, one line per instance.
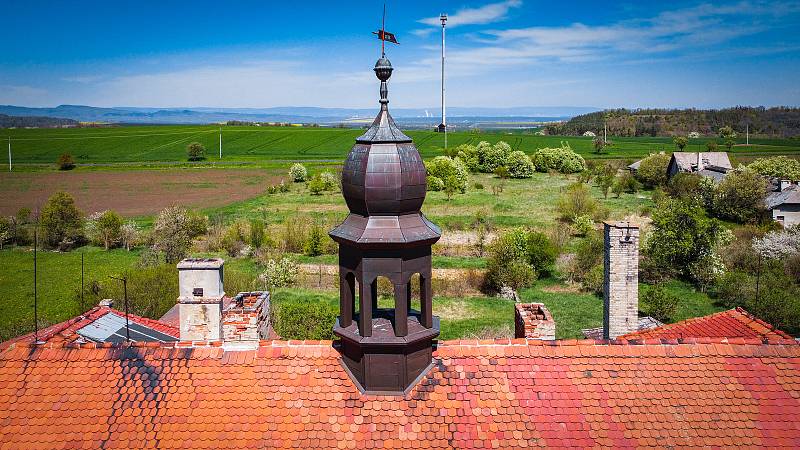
(493, 12)
(666, 34)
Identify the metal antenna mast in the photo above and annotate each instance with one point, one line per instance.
(125, 290)
(220, 142)
(383, 29)
(443, 18)
(9, 153)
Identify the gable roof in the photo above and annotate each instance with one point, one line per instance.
(687, 161)
(96, 325)
(789, 195)
(733, 323)
(479, 394)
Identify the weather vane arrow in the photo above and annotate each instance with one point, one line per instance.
(384, 35)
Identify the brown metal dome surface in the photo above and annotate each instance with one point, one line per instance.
(384, 183)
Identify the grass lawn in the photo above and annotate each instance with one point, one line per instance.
(469, 317)
(59, 282)
(527, 202)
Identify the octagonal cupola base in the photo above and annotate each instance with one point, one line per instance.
(383, 363)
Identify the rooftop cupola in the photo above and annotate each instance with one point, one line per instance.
(385, 235)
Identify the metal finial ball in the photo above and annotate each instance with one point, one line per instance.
(383, 69)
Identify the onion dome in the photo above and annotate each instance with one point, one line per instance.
(383, 183)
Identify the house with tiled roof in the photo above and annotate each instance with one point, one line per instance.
(387, 382)
(102, 324)
(713, 165)
(733, 323)
(783, 202)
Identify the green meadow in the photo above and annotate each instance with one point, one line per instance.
(264, 145)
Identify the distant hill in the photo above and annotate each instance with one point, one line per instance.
(768, 122)
(34, 121)
(203, 115)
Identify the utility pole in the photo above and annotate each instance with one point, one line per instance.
(82, 304)
(125, 290)
(9, 153)
(443, 127)
(747, 132)
(35, 293)
(220, 142)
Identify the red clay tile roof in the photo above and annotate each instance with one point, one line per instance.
(67, 331)
(733, 323)
(479, 394)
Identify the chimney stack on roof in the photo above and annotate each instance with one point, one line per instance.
(533, 321)
(784, 184)
(620, 279)
(200, 282)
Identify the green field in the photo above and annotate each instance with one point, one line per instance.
(260, 145)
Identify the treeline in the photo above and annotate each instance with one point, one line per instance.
(780, 122)
(34, 121)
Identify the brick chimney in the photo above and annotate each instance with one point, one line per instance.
(533, 321)
(200, 282)
(620, 279)
(246, 320)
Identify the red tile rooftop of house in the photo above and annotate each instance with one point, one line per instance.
(733, 323)
(68, 331)
(479, 394)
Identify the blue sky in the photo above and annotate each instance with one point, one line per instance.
(500, 53)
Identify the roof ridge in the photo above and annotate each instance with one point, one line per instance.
(497, 343)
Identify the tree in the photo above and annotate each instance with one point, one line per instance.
(65, 162)
(172, 234)
(451, 186)
(598, 143)
(625, 183)
(728, 136)
(653, 170)
(314, 244)
(740, 196)
(779, 167)
(681, 235)
(659, 303)
(316, 185)
(195, 151)
(61, 222)
(109, 228)
(711, 146)
(577, 200)
(129, 233)
(680, 142)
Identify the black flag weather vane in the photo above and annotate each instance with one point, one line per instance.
(384, 35)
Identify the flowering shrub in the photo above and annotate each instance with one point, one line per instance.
(298, 173)
(589, 134)
(444, 167)
(694, 135)
(329, 180)
(280, 273)
(561, 159)
(520, 165)
(778, 244)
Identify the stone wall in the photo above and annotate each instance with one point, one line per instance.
(533, 321)
(620, 279)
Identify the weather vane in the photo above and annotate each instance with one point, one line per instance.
(384, 35)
